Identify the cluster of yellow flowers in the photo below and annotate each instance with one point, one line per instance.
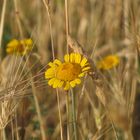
(65, 74)
(19, 47)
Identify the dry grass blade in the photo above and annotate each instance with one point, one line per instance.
(94, 73)
(2, 23)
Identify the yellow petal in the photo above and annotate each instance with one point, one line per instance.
(83, 62)
(50, 64)
(51, 81)
(49, 73)
(9, 50)
(13, 43)
(56, 83)
(86, 69)
(77, 81)
(86, 64)
(26, 42)
(29, 41)
(81, 74)
(66, 58)
(77, 58)
(72, 57)
(60, 84)
(56, 61)
(72, 83)
(48, 76)
(67, 86)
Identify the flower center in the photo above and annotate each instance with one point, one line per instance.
(20, 48)
(68, 71)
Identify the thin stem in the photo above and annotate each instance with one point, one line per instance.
(60, 116)
(2, 24)
(74, 115)
(38, 110)
(34, 92)
(16, 127)
(12, 130)
(67, 108)
(53, 54)
(67, 23)
(18, 19)
(3, 133)
(50, 26)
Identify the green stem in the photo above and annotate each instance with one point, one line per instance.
(74, 116)
(68, 111)
(60, 116)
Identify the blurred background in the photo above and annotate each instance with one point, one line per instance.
(102, 28)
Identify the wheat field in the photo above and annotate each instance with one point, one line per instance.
(106, 105)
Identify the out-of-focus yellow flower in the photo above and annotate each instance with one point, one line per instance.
(67, 74)
(108, 62)
(19, 47)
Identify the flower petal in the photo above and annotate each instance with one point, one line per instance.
(66, 58)
(77, 81)
(29, 41)
(48, 76)
(50, 64)
(72, 83)
(83, 62)
(56, 61)
(60, 84)
(51, 81)
(81, 75)
(67, 86)
(77, 58)
(86, 69)
(56, 83)
(49, 73)
(12, 46)
(72, 57)
(13, 43)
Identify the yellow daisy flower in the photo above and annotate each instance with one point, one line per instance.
(67, 74)
(108, 62)
(20, 47)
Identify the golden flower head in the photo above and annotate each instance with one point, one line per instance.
(108, 62)
(20, 47)
(67, 74)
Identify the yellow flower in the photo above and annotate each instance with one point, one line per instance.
(20, 47)
(108, 62)
(67, 74)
